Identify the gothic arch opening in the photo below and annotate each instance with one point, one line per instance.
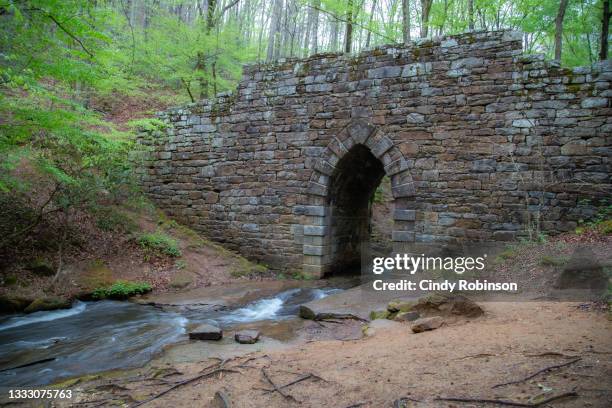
(351, 195)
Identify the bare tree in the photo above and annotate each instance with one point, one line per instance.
(559, 29)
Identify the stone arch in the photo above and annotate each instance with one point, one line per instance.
(318, 246)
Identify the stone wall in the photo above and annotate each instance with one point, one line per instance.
(481, 144)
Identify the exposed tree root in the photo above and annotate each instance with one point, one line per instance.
(529, 377)
(509, 403)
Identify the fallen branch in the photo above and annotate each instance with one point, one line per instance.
(398, 403)
(529, 377)
(339, 316)
(299, 380)
(480, 355)
(356, 405)
(550, 354)
(223, 399)
(276, 388)
(218, 370)
(509, 403)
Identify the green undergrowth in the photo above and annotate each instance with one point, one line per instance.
(121, 290)
(159, 243)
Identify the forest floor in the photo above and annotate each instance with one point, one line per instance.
(529, 354)
(464, 359)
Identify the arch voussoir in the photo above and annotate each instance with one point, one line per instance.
(360, 131)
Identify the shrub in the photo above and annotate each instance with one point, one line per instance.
(121, 290)
(109, 219)
(605, 227)
(159, 243)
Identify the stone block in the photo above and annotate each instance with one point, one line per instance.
(402, 236)
(315, 210)
(404, 215)
(314, 250)
(316, 230)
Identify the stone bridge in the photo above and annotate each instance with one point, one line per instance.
(480, 144)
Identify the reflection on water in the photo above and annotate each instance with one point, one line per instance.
(105, 335)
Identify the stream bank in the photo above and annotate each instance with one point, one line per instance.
(106, 335)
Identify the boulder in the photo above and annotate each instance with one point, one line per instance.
(400, 306)
(51, 303)
(13, 304)
(406, 316)
(448, 304)
(206, 332)
(379, 314)
(426, 324)
(247, 336)
(583, 272)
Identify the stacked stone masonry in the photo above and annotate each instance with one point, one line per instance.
(481, 143)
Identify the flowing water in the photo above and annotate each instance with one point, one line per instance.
(98, 336)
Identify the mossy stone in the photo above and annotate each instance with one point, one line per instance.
(379, 314)
(10, 304)
(43, 304)
(400, 306)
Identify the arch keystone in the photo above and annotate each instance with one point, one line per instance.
(381, 147)
(360, 131)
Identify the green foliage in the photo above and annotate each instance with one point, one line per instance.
(41, 267)
(243, 267)
(601, 221)
(111, 219)
(508, 253)
(550, 260)
(10, 280)
(160, 244)
(147, 125)
(121, 290)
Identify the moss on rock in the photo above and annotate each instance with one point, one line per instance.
(13, 304)
(51, 303)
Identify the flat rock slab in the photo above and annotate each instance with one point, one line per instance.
(426, 324)
(356, 303)
(406, 316)
(247, 336)
(206, 332)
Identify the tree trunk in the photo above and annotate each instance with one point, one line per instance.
(274, 29)
(471, 15)
(348, 38)
(425, 8)
(605, 23)
(333, 41)
(210, 15)
(559, 29)
(315, 28)
(405, 20)
(309, 23)
(368, 37)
